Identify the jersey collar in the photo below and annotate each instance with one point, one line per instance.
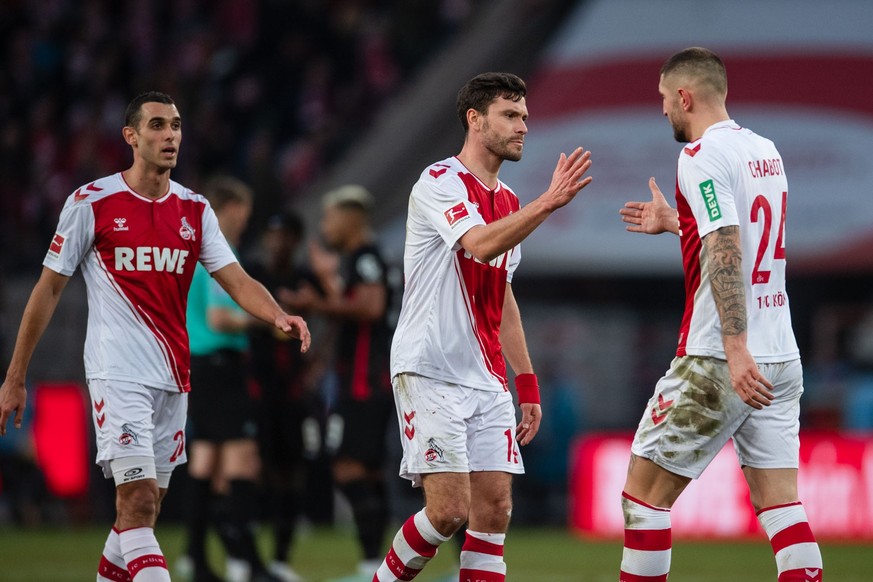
(726, 124)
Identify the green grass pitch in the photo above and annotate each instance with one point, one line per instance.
(533, 555)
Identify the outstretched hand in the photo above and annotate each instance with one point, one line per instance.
(652, 217)
(295, 327)
(567, 178)
(13, 399)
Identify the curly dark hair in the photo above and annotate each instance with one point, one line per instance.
(481, 90)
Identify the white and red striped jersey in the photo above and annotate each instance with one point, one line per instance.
(449, 326)
(137, 256)
(732, 176)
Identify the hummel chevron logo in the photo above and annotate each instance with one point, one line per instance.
(438, 173)
(813, 575)
(79, 195)
(692, 151)
(659, 412)
(409, 430)
(100, 418)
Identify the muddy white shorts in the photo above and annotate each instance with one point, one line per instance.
(132, 420)
(447, 428)
(695, 410)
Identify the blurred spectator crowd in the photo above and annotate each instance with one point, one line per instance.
(270, 90)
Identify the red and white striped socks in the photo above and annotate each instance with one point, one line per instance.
(647, 542)
(798, 558)
(112, 567)
(482, 557)
(143, 556)
(413, 547)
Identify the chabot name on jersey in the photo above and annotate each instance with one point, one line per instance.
(150, 259)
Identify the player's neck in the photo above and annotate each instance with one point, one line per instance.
(482, 163)
(147, 181)
(699, 126)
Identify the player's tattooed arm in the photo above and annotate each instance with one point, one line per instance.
(723, 259)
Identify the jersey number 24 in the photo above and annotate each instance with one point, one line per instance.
(761, 206)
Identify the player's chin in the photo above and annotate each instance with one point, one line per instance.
(166, 164)
(513, 154)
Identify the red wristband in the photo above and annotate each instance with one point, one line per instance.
(528, 388)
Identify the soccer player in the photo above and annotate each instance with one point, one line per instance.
(737, 372)
(137, 236)
(458, 320)
(223, 450)
(358, 295)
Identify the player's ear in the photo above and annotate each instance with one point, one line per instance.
(129, 135)
(473, 118)
(685, 98)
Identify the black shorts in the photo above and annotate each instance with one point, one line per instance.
(365, 425)
(219, 406)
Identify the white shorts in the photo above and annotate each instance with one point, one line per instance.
(695, 410)
(132, 420)
(447, 428)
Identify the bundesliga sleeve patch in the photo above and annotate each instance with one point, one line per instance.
(456, 213)
(707, 189)
(56, 246)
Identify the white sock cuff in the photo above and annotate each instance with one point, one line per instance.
(491, 538)
(138, 538)
(639, 515)
(112, 538)
(427, 530)
(112, 548)
(775, 519)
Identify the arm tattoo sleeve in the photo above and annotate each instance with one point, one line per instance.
(722, 258)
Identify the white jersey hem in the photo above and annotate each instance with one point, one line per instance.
(720, 355)
(167, 387)
(451, 380)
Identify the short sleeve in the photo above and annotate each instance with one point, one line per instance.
(704, 179)
(215, 253)
(73, 237)
(443, 203)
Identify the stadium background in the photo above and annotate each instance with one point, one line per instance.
(298, 96)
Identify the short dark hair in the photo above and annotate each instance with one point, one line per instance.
(133, 113)
(701, 64)
(224, 190)
(481, 90)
